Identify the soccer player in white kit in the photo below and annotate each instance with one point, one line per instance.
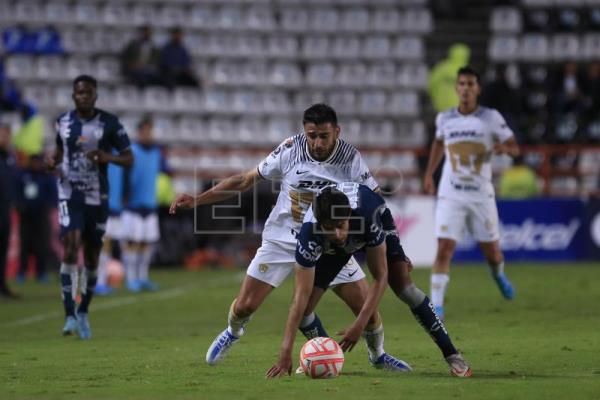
(303, 164)
(468, 135)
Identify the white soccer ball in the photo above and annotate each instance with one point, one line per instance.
(321, 357)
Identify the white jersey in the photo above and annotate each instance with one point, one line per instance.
(469, 142)
(301, 177)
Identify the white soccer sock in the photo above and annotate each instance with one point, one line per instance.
(236, 324)
(374, 340)
(103, 268)
(497, 269)
(130, 260)
(145, 256)
(439, 283)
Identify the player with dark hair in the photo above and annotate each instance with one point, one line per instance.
(344, 219)
(468, 135)
(304, 164)
(85, 137)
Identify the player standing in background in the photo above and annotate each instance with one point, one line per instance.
(114, 227)
(140, 217)
(469, 135)
(85, 138)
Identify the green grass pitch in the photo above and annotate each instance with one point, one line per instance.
(543, 345)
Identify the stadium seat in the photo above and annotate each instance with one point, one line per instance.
(352, 130)
(382, 74)
(304, 98)
(282, 46)
(351, 74)
(226, 73)
(201, 17)
(323, 19)
(320, 74)
(418, 20)
(294, 19)
(381, 134)
(535, 48)
(128, 98)
(58, 12)
(42, 95)
(156, 99)
(85, 12)
(115, 14)
(355, 19)
(590, 46)
(376, 47)
(278, 128)
(63, 97)
(403, 104)
(26, 11)
(251, 130)
(565, 185)
(230, 18)
(78, 65)
(413, 76)
(246, 101)
(190, 129)
(565, 47)
(220, 130)
(346, 47)
(372, 102)
(503, 49)
(50, 68)
(259, 18)
(170, 16)
(386, 20)
(315, 47)
(217, 100)
(408, 48)
(276, 101)
(506, 20)
(20, 67)
(343, 101)
(107, 69)
(285, 74)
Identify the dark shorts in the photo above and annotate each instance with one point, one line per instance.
(74, 214)
(328, 266)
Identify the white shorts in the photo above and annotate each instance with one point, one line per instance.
(274, 261)
(137, 228)
(480, 219)
(114, 228)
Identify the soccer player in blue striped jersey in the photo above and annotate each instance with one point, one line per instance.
(85, 138)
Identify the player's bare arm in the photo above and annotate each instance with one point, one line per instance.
(377, 262)
(123, 159)
(303, 287)
(509, 147)
(53, 160)
(224, 190)
(435, 157)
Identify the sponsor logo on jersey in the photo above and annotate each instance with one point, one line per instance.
(366, 176)
(289, 142)
(313, 184)
(301, 172)
(312, 253)
(464, 134)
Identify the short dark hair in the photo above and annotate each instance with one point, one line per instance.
(467, 70)
(331, 205)
(320, 113)
(145, 120)
(87, 79)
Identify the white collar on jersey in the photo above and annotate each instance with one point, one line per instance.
(333, 153)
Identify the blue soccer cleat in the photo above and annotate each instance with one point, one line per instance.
(103, 290)
(134, 286)
(148, 285)
(70, 326)
(85, 331)
(219, 347)
(506, 288)
(390, 363)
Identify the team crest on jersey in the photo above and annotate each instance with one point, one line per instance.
(263, 268)
(289, 142)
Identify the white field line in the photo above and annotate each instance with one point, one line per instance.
(120, 302)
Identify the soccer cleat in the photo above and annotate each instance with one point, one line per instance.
(103, 290)
(439, 311)
(85, 331)
(458, 366)
(70, 326)
(148, 285)
(300, 370)
(390, 363)
(134, 286)
(506, 288)
(219, 347)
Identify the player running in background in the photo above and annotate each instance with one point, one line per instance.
(140, 217)
(85, 138)
(114, 227)
(469, 135)
(303, 164)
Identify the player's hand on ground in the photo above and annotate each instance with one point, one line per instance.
(97, 156)
(280, 368)
(351, 336)
(182, 201)
(428, 185)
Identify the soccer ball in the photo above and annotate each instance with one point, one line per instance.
(321, 357)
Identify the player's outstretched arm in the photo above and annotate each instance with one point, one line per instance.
(225, 189)
(435, 156)
(124, 158)
(305, 278)
(377, 262)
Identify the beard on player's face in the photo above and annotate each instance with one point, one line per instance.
(321, 139)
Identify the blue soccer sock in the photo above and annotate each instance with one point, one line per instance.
(66, 284)
(426, 316)
(89, 278)
(311, 327)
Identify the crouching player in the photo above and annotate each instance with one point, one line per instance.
(345, 219)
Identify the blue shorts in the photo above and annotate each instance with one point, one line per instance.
(394, 250)
(74, 214)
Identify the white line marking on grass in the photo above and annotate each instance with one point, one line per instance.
(119, 302)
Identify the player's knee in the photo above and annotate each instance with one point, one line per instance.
(411, 295)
